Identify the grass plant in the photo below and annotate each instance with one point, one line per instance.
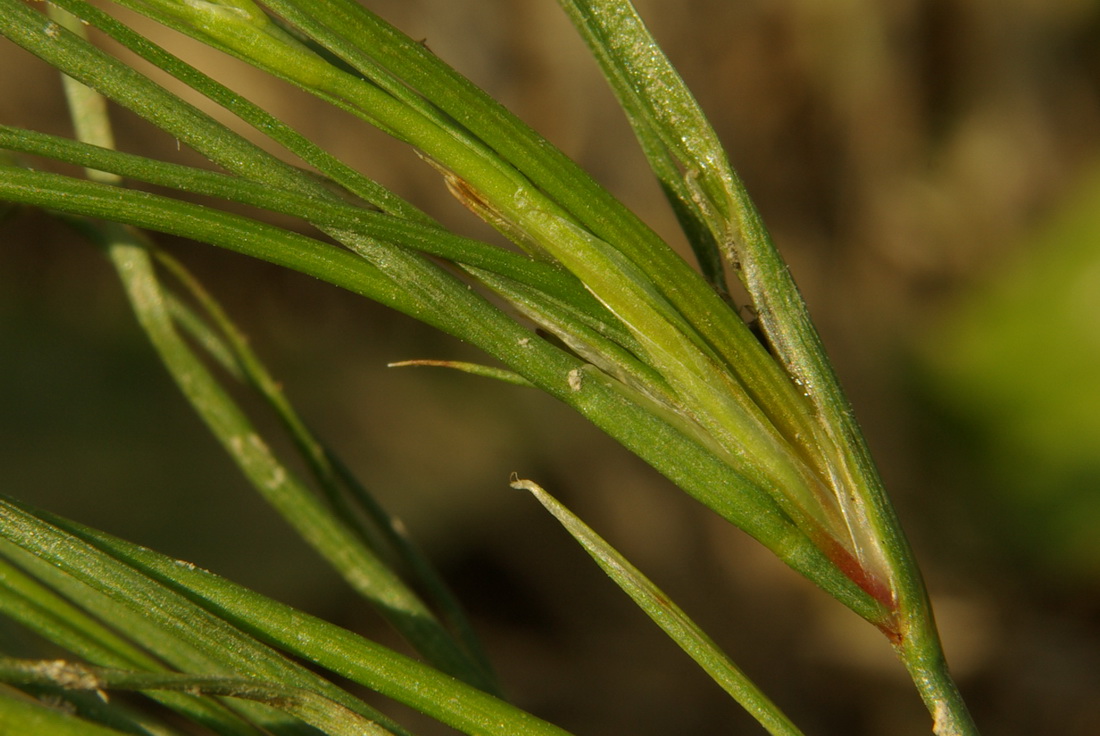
(647, 347)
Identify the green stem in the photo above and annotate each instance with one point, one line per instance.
(921, 652)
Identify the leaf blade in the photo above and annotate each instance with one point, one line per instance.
(668, 616)
(246, 612)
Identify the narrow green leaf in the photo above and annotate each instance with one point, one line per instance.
(174, 631)
(629, 70)
(347, 495)
(670, 617)
(184, 634)
(324, 214)
(29, 602)
(73, 196)
(360, 566)
(606, 345)
(485, 371)
(331, 718)
(20, 716)
(173, 112)
(126, 572)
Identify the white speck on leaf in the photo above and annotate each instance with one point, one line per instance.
(278, 477)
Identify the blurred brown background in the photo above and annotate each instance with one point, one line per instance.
(931, 169)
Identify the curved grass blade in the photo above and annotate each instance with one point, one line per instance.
(189, 601)
(275, 245)
(603, 40)
(265, 123)
(27, 601)
(360, 566)
(170, 628)
(324, 214)
(347, 496)
(320, 712)
(666, 614)
(21, 716)
(682, 148)
(475, 369)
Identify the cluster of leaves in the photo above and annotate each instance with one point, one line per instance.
(639, 343)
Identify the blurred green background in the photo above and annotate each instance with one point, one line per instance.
(930, 168)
